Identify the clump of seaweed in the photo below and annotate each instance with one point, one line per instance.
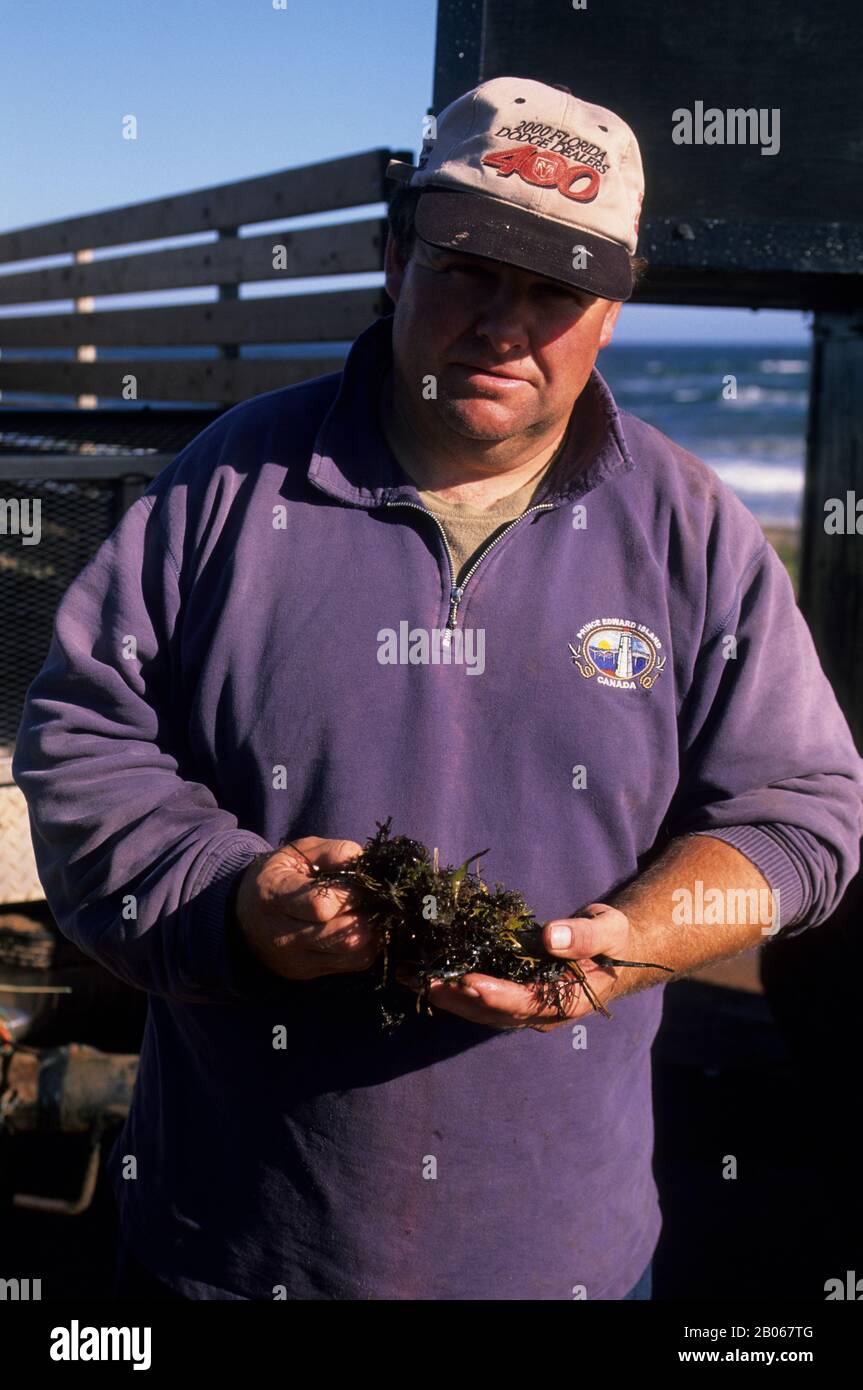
(441, 923)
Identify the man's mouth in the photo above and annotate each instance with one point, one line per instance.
(495, 374)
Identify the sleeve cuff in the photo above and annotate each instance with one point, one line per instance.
(221, 964)
(777, 866)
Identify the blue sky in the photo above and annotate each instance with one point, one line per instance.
(225, 89)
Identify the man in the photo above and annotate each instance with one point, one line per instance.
(453, 585)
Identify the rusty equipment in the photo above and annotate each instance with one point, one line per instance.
(73, 1089)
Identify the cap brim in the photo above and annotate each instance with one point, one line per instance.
(400, 170)
(482, 226)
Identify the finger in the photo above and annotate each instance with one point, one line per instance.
(309, 964)
(492, 1002)
(506, 999)
(348, 931)
(600, 929)
(352, 956)
(327, 854)
(347, 943)
(288, 884)
(451, 996)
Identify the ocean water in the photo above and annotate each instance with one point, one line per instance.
(751, 430)
(754, 435)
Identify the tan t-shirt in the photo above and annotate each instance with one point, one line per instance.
(468, 528)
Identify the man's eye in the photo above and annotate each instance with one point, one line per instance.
(473, 270)
(561, 290)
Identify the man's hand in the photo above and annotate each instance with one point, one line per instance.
(296, 928)
(501, 1004)
(643, 926)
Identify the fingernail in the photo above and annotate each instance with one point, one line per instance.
(561, 936)
(469, 989)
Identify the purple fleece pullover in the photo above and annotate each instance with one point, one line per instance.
(275, 596)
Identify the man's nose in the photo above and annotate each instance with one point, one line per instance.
(502, 322)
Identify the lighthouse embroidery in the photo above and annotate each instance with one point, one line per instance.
(618, 653)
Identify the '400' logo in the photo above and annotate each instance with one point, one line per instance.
(545, 169)
(618, 653)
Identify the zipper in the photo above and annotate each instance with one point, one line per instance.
(456, 591)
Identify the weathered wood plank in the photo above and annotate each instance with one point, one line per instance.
(222, 381)
(711, 262)
(346, 249)
(336, 316)
(346, 182)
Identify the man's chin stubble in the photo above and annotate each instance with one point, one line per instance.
(459, 421)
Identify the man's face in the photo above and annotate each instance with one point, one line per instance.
(510, 350)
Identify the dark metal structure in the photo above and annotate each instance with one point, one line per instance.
(85, 467)
(725, 224)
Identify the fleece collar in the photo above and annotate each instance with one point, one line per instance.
(352, 461)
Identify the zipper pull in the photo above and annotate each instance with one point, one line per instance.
(454, 600)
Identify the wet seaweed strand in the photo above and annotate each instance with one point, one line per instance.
(441, 923)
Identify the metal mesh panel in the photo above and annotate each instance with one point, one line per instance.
(75, 517)
(84, 468)
(101, 432)
(77, 513)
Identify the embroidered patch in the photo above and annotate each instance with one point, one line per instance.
(547, 137)
(619, 653)
(545, 170)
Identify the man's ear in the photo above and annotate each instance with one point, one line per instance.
(394, 269)
(609, 322)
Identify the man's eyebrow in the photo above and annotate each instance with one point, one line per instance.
(437, 251)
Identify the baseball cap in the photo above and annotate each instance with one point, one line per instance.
(526, 173)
